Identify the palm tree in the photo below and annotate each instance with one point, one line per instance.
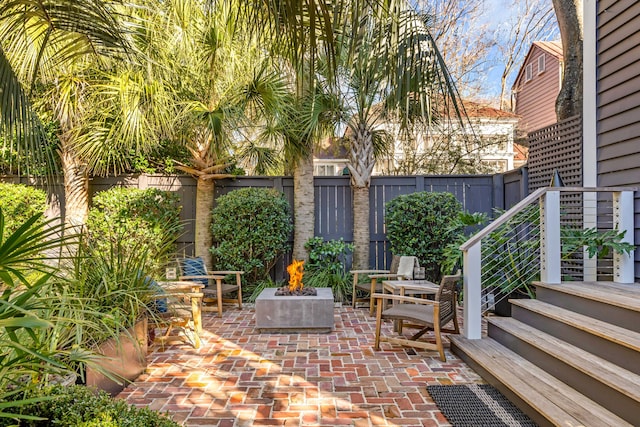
(303, 32)
(300, 33)
(395, 76)
(227, 93)
(36, 38)
(103, 108)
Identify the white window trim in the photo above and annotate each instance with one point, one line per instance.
(528, 72)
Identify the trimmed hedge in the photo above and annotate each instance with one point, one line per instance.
(251, 229)
(422, 224)
(19, 203)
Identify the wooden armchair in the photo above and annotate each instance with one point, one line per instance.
(194, 269)
(421, 313)
(178, 305)
(375, 281)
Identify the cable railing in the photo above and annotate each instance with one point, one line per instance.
(555, 234)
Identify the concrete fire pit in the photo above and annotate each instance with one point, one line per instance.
(295, 313)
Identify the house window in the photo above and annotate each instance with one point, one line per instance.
(324, 170)
(529, 72)
(541, 64)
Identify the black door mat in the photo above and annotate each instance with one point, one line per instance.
(477, 405)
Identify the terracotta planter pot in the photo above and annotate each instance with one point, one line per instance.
(125, 358)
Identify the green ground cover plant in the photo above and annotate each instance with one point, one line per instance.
(79, 406)
(327, 266)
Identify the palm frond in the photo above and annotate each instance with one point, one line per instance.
(20, 128)
(37, 36)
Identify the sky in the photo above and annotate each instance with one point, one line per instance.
(494, 21)
(497, 16)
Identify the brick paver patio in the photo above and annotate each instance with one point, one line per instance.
(240, 377)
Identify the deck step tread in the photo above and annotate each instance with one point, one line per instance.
(623, 295)
(615, 377)
(602, 329)
(559, 403)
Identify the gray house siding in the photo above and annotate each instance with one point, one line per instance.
(618, 99)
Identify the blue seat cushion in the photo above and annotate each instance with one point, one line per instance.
(157, 305)
(194, 267)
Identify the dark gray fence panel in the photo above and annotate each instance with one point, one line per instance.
(383, 189)
(333, 208)
(515, 186)
(475, 192)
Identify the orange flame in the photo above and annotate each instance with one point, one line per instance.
(296, 271)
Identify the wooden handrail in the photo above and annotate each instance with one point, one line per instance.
(527, 201)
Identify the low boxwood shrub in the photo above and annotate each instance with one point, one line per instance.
(136, 220)
(251, 229)
(422, 224)
(19, 203)
(79, 406)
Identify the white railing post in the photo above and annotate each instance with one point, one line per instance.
(472, 327)
(550, 237)
(623, 212)
(589, 220)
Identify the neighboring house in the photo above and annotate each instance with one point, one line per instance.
(520, 155)
(330, 158)
(495, 130)
(537, 85)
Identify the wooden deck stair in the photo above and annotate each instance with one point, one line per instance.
(569, 358)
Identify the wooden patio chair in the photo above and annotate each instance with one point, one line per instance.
(421, 313)
(177, 306)
(194, 269)
(375, 281)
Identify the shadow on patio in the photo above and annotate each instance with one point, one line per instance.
(240, 377)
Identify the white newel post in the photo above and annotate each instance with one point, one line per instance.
(623, 211)
(550, 237)
(589, 220)
(472, 328)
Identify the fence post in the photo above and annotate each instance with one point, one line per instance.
(472, 257)
(550, 237)
(623, 211)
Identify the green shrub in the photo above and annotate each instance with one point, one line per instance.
(422, 224)
(19, 203)
(131, 219)
(327, 266)
(80, 406)
(251, 228)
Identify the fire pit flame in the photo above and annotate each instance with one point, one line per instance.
(296, 271)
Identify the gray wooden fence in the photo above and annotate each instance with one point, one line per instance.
(477, 193)
(334, 220)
